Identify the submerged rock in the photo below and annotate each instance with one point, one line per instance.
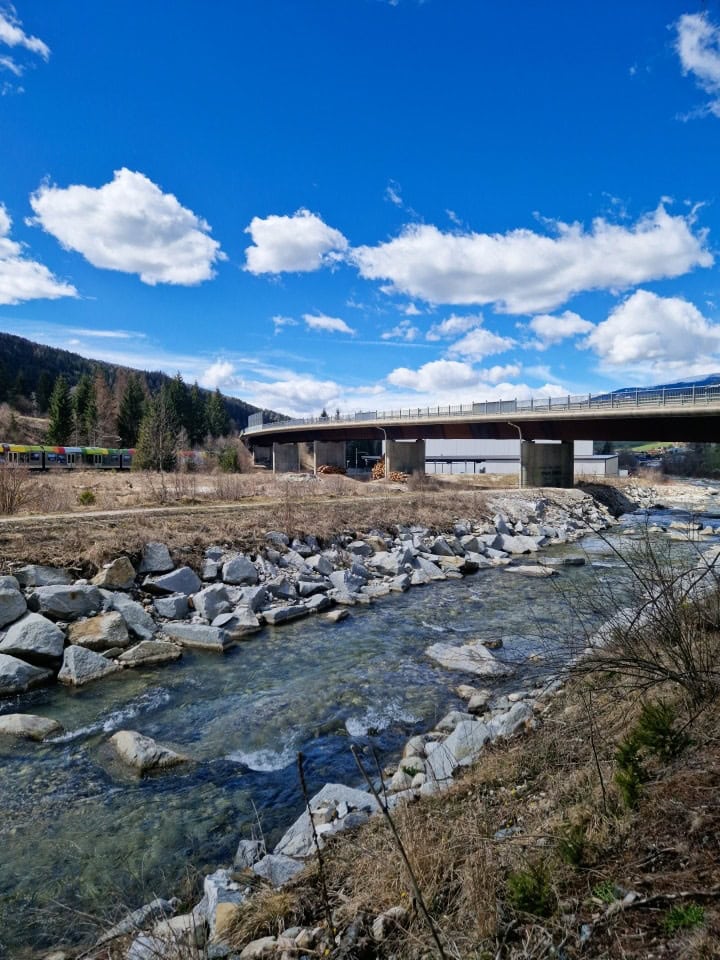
(27, 726)
(470, 658)
(149, 652)
(144, 753)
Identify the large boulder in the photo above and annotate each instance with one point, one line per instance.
(36, 639)
(321, 565)
(12, 605)
(277, 615)
(517, 544)
(174, 607)
(429, 568)
(149, 652)
(277, 868)
(9, 583)
(118, 575)
(66, 602)
(220, 888)
(212, 601)
(508, 723)
(81, 666)
(144, 753)
(35, 575)
(183, 580)
(156, 558)
(100, 633)
(26, 726)
(469, 658)
(16, 676)
(241, 622)
(461, 748)
(138, 620)
(239, 570)
(198, 635)
(298, 840)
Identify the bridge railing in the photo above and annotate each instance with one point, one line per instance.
(619, 399)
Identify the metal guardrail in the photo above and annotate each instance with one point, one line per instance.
(625, 399)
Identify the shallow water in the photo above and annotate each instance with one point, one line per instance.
(77, 832)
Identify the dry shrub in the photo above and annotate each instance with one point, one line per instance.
(17, 489)
(265, 914)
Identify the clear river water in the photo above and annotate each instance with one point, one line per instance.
(79, 833)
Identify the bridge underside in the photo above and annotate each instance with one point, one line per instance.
(692, 426)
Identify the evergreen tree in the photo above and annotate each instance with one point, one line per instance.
(19, 387)
(61, 413)
(196, 425)
(218, 422)
(157, 443)
(106, 431)
(4, 383)
(130, 415)
(43, 391)
(84, 405)
(178, 397)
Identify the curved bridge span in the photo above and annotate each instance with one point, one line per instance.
(689, 414)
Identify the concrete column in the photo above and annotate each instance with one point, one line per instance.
(262, 456)
(286, 458)
(405, 456)
(547, 464)
(331, 453)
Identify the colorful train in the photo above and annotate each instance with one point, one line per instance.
(37, 457)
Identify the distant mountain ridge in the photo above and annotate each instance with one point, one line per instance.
(31, 360)
(709, 380)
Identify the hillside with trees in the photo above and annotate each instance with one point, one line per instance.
(93, 403)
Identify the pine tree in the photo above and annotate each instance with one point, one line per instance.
(196, 425)
(218, 422)
(84, 407)
(106, 431)
(18, 388)
(157, 443)
(43, 391)
(61, 413)
(177, 394)
(4, 383)
(130, 415)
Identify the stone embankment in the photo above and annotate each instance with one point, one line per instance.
(56, 628)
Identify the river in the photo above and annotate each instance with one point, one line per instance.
(78, 834)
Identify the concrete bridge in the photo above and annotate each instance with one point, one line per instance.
(690, 414)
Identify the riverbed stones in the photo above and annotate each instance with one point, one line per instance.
(320, 565)
(100, 633)
(239, 570)
(183, 580)
(66, 602)
(461, 748)
(17, 676)
(36, 639)
(219, 887)
(508, 723)
(156, 558)
(248, 853)
(529, 570)
(317, 603)
(81, 666)
(277, 615)
(27, 726)
(174, 607)
(298, 841)
(517, 544)
(143, 753)
(429, 568)
(12, 605)
(277, 868)
(36, 575)
(212, 601)
(335, 616)
(149, 653)
(118, 575)
(198, 635)
(138, 620)
(9, 583)
(469, 658)
(255, 598)
(239, 623)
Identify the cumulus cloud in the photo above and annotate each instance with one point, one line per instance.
(498, 373)
(698, 46)
(130, 225)
(22, 279)
(217, 374)
(300, 243)
(552, 329)
(279, 322)
(525, 272)
(436, 375)
(453, 326)
(657, 335)
(294, 394)
(320, 321)
(480, 343)
(13, 35)
(402, 331)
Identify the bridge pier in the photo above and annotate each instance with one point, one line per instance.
(404, 456)
(285, 458)
(331, 453)
(547, 464)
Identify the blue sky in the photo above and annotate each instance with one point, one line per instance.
(365, 204)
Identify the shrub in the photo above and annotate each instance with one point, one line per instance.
(605, 891)
(86, 498)
(685, 916)
(655, 731)
(16, 488)
(531, 892)
(572, 845)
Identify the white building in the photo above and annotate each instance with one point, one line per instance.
(503, 456)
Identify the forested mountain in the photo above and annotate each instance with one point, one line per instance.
(28, 371)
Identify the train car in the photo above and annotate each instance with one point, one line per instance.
(36, 457)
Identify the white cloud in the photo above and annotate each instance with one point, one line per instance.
(402, 331)
(130, 225)
(280, 322)
(479, 343)
(438, 375)
(7, 63)
(657, 335)
(525, 272)
(698, 46)
(217, 374)
(300, 243)
(392, 193)
(295, 394)
(497, 373)
(12, 35)
(322, 322)
(22, 279)
(453, 327)
(552, 329)
(411, 310)
(108, 334)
